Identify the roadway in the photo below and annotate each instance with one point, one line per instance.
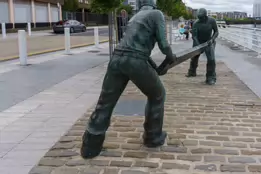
(47, 41)
(103, 31)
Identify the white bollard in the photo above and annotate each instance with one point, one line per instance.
(29, 30)
(22, 47)
(96, 37)
(67, 39)
(3, 31)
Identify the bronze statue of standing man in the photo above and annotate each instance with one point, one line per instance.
(204, 30)
(131, 62)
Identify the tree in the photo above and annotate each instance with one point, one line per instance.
(173, 8)
(190, 15)
(128, 8)
(105, 6)
(71, 5)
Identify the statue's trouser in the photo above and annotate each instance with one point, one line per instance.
(121, 69)
(211, 63)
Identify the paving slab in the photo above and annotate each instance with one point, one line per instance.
(211, 130)
(24, 82)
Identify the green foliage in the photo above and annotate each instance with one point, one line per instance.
(70, 5)
(242, 19)
(105, 6)
(128, 8)
(174, 8)
(188, 15)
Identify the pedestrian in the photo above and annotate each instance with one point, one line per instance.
(186, 32)
(131, 61)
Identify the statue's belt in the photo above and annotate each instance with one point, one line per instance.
(130, 54)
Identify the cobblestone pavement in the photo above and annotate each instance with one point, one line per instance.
(211, 129)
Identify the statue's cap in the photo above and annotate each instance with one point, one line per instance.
(202, 12)
(152, 3)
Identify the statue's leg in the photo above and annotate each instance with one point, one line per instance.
(211, 65)
(114, 84)
(192, 72)
(147, 80)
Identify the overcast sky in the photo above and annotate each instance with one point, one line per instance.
(223, 5)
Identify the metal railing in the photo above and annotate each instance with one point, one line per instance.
(248, 38)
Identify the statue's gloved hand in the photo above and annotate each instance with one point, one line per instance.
(170, 60)
(163, 72)
(210, 42)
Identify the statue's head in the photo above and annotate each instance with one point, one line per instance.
(202, 14)
(141, 3)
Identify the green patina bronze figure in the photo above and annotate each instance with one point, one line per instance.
(131, 62)
(202, 31)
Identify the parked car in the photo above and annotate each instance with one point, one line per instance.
(75, 26)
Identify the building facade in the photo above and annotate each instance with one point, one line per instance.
(257, 9)
(230, 15)
(132, 3)
(40, 13)
(195, 13)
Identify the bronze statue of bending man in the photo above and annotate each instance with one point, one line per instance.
(131, 62)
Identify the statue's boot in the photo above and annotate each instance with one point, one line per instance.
(191, 74)
(193, 67)
(91, 145)
(210, 81)
(211, 66)
(154, 141)
(211, 72)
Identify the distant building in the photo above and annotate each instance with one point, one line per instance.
(220, 15)
(212, 14)
(257, 9)
(240, 15)
(40, 13)
(231, 15)
(131, 3)
(194, 13)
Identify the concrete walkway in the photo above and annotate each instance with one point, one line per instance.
(39, 103)
(211, 129)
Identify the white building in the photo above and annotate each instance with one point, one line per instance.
(257, 8)
(16, 13)
(211, 13)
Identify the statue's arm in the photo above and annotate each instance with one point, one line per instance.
(161, 36)
(195, 34)
(215, 29)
